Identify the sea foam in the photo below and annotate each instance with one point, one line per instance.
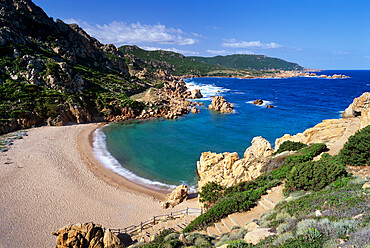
(265, 102)
(207, 90)
(105, 158)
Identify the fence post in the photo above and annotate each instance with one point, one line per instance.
(141, 226)
(154, 224)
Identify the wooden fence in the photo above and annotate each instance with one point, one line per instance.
(133, 230)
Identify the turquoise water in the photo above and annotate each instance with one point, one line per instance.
(165, 152)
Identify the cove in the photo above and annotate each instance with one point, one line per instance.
(163, 153)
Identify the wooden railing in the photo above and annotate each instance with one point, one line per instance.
(133, 230)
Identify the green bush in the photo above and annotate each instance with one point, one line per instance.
(314, 175)
(210, 193)
(289, 146)
(356, 151)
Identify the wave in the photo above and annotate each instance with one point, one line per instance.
(265, 102)
(207, 90)
(107, 160)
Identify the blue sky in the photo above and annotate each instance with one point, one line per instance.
(316, 34)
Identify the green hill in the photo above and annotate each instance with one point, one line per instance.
(175, 63)
(55, 73)
(251, 62)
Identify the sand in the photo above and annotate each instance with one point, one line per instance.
(50, 179)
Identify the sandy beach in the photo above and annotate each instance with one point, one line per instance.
(51, 178)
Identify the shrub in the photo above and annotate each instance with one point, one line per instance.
(210, 193)
(314, 175)
(304, 225)
(238, 244)
(290, 146)
(361, 238)
(282, 238)
(284, 227)
(356, 151)
(171, 236)
(302, 242)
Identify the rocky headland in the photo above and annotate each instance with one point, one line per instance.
(220, 104)
(227, 169)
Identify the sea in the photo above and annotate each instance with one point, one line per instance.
(162, 154)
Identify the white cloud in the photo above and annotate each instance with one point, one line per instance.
(219, 52)
(135, 33)
(224, 52)
(244, 52)
(184, 52)
(249, 44)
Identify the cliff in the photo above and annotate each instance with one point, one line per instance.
(227, 169)
(335, 132)
(54, 73)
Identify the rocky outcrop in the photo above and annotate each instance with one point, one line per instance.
(194, 110)
(257, 235)
(335, 132)
(328, 132)
(227, 169)
(195, 93)
(88, 235)
(258, 102)
(365, 118)
(359, 105)
(177, 196)
(260, 148)
(220, 104)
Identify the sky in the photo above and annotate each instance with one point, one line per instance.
(315, 34)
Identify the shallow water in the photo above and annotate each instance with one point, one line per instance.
(163, 153)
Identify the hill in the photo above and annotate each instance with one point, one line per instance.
(250, 62)
(55, 73)
(174, 63)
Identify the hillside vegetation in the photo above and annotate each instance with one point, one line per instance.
(56, 73)
(177, 64)
(323, 205)
(249, 62)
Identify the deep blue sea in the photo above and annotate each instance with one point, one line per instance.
(164, 153)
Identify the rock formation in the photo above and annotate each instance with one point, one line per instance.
(257, 235)
(220, 104)
(358, 105)
(335, 132)
(227, 169)
(365, 118)
(195, 93)
(258, 102)
(177, 196)
(327, 131)
(88, 235)
(260, 148)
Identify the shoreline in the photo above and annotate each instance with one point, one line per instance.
(46, 183)
(85, 147)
